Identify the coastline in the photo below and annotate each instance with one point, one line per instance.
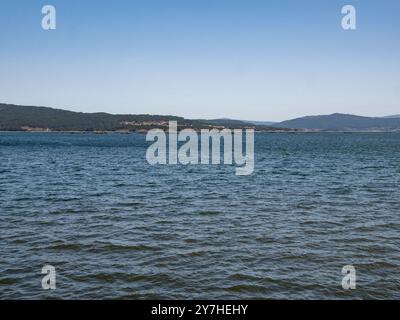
(256, 131)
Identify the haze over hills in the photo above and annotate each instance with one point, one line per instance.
(262, 123)
(342, 122)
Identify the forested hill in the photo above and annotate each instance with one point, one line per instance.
(13, 117)
(29, 118)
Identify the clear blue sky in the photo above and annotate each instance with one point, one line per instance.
(245, 59)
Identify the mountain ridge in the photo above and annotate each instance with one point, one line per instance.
(342, 122)
(31, 118)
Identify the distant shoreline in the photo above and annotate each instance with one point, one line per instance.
(43, 119)
(298, 131)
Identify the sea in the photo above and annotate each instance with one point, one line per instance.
(115, 227)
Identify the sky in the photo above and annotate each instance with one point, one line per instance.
(243, 59)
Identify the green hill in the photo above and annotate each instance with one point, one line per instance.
(30, 118)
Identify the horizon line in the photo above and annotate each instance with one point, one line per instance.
(195, 118)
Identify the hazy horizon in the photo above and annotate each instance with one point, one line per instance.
(268, 61)
(227, 118)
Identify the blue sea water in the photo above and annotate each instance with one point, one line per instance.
(115, 227)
